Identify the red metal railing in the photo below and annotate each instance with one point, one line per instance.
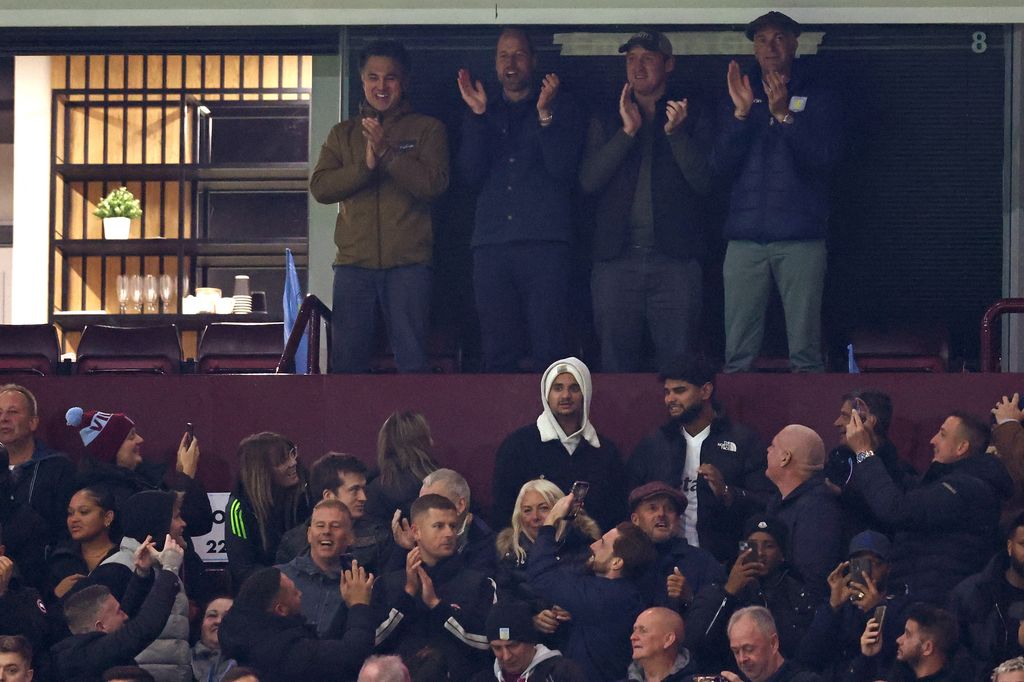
(311, 313)
(989, 352)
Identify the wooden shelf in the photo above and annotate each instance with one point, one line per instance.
(71, 321)
(170, 247)
(123, 172)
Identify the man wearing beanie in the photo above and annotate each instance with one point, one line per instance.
(517, 654)
(760, 577)
(562, 446)
(113, 459)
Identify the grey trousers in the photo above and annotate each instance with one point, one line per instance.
(798, 268)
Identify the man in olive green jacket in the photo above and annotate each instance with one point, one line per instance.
(385, 167)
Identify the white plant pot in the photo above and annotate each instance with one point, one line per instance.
(117, 228)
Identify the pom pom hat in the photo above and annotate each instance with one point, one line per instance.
(102, 433)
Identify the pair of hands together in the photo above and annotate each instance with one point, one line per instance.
(776, 88)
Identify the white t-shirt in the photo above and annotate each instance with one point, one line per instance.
(690, 466)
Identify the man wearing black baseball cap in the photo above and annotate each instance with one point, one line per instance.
(777, 145)
(647, 166)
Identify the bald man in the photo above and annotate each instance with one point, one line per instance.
(658, 651)
(803, 504)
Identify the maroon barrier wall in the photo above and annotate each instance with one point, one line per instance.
(471, 414)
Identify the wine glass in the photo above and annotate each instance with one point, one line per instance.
(166, 290)
(149, 289)
(122, 294)
(135, 292)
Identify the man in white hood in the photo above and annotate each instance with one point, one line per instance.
(563, 447)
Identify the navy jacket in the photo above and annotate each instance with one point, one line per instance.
(697, 566)
(780, 173)
(46, 482)
(733, 449)
(812, 515)
(603, 610)
(946, 524)
(525, 172)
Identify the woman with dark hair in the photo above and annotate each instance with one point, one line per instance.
(92, 525)
(113, 459)
(404, 458)
(269, 498)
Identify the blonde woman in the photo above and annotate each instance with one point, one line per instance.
(533, 503)
(404, 458)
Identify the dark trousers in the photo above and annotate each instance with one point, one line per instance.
(404, 296)
(522, 300)
(641, 289)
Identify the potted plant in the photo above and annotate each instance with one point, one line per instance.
(117, 210)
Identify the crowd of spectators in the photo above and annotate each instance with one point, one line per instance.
(702, 554)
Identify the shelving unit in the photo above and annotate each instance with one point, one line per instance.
(216, 149)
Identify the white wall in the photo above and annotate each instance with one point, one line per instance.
(30, 270)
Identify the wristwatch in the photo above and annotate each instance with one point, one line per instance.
(864, 454)
(788, 118)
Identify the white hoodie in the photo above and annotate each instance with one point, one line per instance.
(542, 654)
(547, 424)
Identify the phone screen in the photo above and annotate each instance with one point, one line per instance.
(579, 493)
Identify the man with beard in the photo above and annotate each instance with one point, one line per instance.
(648, 169)
(520, 150)
(716, 463)
(923, 652)
(604, 603)
(989, 606)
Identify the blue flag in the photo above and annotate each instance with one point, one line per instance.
(851, 362)
(292, 302)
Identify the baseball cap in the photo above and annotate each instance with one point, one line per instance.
(649, 40)
(773, 18)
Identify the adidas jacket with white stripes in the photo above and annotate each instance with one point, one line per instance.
(455, 626)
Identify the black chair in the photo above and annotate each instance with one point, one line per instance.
(129, 350)
(29, 349)
(240, 347)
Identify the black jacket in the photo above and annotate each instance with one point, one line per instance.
(523, 457)
(946, 525)
(987, 630)
(680, 177)
(46, 483)
(814, 522)
(603, 610)
(242, 540)
(22, 612)
(455, 626)
(733, 449)
(784, 595)
(286, 648)
(697, 566)
(83, 658)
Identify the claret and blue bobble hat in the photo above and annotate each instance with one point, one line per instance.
(102, 433)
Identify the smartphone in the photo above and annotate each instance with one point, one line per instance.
(190, 433)
(579, 493)
(859, 567)
(744, 546)
(861, 408)
(880, 616)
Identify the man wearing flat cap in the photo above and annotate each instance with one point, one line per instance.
(517, 653)
(777, 146)
(680, 569)
(647, 164)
